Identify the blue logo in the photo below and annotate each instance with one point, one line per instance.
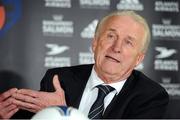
(10, 13)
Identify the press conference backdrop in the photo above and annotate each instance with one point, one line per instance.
(36, 35)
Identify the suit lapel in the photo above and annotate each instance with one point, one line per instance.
(119, 100)
(80, 77)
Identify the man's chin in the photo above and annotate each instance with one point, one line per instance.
(110, 70)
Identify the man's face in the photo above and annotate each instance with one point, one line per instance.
(117, 48)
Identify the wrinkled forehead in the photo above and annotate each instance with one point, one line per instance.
(127, 21)
(122, 24)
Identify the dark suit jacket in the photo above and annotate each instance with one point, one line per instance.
(140, 97)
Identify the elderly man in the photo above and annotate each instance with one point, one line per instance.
(109, 88)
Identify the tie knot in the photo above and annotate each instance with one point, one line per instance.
(105, 89)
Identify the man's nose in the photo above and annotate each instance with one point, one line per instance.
(117, 46)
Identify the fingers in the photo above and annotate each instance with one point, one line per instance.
(28, 99)
(24, 98)
(6, 103)
(27, 106)
(26, 102)
(10, 108)
(28, 92)
(7, 109)
(7, 94)
(30, 109)
(10, 113)
(56, 83)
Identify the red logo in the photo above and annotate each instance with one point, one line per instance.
(10, 13)
(2, 16)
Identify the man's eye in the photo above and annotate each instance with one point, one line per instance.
(129, 42)
(111, 36)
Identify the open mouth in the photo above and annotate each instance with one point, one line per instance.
(112, 59)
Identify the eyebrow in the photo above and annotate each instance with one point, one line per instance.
(111, 29)
(131, 38)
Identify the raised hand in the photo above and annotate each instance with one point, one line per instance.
(34, 101)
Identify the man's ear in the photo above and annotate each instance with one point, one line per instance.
(140, 58)
(94, 44)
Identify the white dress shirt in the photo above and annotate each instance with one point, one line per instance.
(91, 92)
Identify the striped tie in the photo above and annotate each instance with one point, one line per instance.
(98, 107)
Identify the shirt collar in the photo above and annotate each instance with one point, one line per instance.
(95, 80)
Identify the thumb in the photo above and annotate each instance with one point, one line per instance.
(56, 83)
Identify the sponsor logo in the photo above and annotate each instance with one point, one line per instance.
(88, 32)
(164, 52)
(86, 57)
(167, 6)
(51, 62)
(130, 5)
(165, 30)
(10, 13)
(53, 59)
(95, 4)
(165, 64)
(173, 89)
(58, 3)
(56, 49)
(58, 27)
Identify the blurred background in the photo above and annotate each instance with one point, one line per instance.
(36, 35)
